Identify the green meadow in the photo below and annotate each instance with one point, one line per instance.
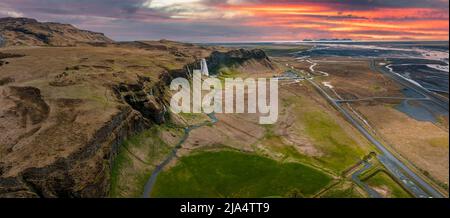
(233, 174)
(382, 179)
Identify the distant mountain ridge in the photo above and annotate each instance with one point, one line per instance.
(30, 32)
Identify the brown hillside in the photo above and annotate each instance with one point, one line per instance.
(30, 32)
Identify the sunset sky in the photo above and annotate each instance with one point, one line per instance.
(244, 20)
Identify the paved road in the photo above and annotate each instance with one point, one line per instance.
(355, 177)
(152, 180)
(382, 98)
(401, 177)
(390, 161)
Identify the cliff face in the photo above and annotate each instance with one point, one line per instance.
(64, 111)
(25, 31)
(55, 143)
(244, 60)
(149, 100)
(83, 172)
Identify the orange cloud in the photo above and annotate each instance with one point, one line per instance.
(415, 23)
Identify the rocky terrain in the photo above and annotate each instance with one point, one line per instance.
(250, 61)
(64, 111)
(30, 32)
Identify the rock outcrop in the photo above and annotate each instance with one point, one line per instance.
(254, 60)
(149, 100)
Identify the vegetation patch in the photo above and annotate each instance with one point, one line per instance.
(441, 142)
(227, 73)
(233, 174)
(341, 150)
(136, 160)
(334, 150)
(388, 187)
(343, 190)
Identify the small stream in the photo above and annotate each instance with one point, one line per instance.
(152, 180)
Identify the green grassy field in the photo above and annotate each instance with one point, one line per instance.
(136, 160)
(344, 190)
(233, 174)
(381, 179)
(339, 149)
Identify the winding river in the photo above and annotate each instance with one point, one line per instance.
(152, 180)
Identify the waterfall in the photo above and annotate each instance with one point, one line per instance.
(204, 67)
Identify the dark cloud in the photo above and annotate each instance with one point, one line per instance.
(130, 20)
(336, 17)
(107, 8)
